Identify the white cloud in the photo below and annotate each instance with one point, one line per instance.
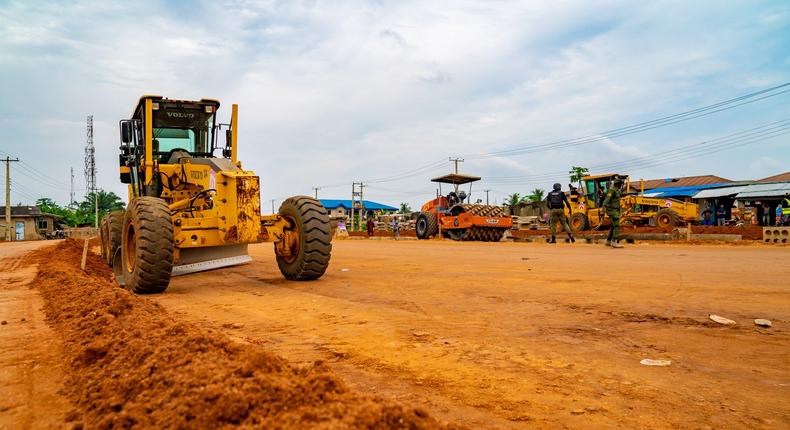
(331, 92)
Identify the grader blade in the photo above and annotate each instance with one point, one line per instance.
(201, 259)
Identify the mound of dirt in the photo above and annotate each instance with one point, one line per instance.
(132, 365)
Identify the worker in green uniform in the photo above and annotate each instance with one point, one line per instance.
(786, 209)
(611, 204)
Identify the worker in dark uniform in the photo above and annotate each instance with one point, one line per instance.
(557, 202)
(611, 204)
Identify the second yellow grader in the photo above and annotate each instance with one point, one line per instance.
(636, 209)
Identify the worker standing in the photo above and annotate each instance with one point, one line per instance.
(786, 209)
(612, 206)
(395, 228)
(557, 202)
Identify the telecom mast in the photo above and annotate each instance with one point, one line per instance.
(90, 170)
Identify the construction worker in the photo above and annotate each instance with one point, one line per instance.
(612, 206)
(786, 209)
(557, 202)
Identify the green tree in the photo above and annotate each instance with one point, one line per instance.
(577, 173)
(536, 195)
(405, 208)
(82, 213)
(108, 201)
(512, 201)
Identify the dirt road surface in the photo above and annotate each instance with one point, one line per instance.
(511, 335)
(505, 335)
(30, 367)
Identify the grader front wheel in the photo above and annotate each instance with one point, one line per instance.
(304, 250)
(146, 257)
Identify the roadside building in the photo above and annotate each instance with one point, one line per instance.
(685, 182)
(29, 223)
(342, 208)
(752, 202)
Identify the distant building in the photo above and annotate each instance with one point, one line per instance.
(782, 177)
(342, 208)
(704, 181)
(28, 223)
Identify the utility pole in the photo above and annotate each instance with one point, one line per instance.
(353, 190)
(456, 161)
(272, 200)
(71, 194)
(354, 194)
(486, 196)
(316, 191)
(8, 161)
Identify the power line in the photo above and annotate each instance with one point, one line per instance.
(752, 132)
(43, 177)
(606, 135)
(731, 141)
(643, 126)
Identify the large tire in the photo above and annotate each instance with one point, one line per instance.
(310, 219)
(147, 246)
(426, 225)
(579, 222)
(114, 231)
(666, 218)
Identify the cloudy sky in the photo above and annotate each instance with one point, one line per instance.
(386, 91)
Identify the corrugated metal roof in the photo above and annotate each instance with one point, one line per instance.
(687, 181)
(764, 190)
(719, 192)
(762, 194)
(336, 203)
(782, 177)
(681, 191)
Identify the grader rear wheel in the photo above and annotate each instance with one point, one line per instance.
(579, 222)
(666, 218)
(146, 261)
(303, 253)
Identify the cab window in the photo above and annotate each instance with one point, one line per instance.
(168, 139)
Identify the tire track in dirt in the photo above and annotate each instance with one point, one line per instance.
(560, 343)
(30, 354)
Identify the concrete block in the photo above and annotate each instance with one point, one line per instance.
(776, 234)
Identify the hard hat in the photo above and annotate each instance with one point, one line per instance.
(557, 187)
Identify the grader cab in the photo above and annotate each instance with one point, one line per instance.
(452, 218)
(192, 206)
(635, 208)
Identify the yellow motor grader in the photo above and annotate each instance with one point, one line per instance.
(636, 209)
(193, 207)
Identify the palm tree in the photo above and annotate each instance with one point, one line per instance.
(512, 201)
(108, 201)
(536, 196)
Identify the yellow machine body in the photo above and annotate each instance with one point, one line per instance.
(635, 208)
(215, 203)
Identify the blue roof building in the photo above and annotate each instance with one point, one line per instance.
(334, 204)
